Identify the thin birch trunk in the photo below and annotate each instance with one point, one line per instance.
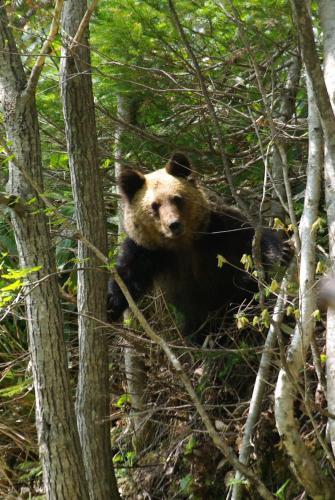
(327, 18)
(287, 107)
(58, 439)
(307, 469)
(92, 403)
(260, 383)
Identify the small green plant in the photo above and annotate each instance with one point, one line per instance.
(280, 493)
(123, 400)
(185, 484)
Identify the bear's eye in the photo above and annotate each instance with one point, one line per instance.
(155, 206)
(178, 201)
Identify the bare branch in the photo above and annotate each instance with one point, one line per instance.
(211, 109)
(83, 25)
(46, 48)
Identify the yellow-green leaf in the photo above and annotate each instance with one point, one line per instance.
(221, 260)
(274, 286)
(316, 315)
(278, 224)
(317, 224)
(13, 286)
(20, 273)
(320, 267)
(246, 260)
(265, 318)
(242, 322)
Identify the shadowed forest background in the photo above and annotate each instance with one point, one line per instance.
(132, 410)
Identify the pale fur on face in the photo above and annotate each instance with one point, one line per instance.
(149, 227)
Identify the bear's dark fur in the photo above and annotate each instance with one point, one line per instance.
(174, 238)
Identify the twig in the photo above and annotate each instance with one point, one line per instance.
(38, 66)
(211, 109)
(83, 25)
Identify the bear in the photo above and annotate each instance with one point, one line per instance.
(175, 233)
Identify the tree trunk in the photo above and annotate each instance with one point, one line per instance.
(286, 111)
(55, 420)
(93, 383)
(327, 18)
(136, 371)
(261, 383)
(307, 469)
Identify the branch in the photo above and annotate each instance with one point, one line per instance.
(46, 48)
(83, 25)
(211, 109)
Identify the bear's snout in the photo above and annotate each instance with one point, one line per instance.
(176, 228)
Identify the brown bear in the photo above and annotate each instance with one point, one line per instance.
(175, 235)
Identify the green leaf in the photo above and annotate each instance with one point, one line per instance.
(316, 315)
(278, 224)
(186, 482)
(323, 359)
(280, 493)
(320, 267)
(242, 321)
(247, 261)
(20, 273)
(274, 286)
(16, 285)
(318, 224)
(265, 318)
(123, 399)
(221, 260)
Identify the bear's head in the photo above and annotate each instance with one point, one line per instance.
(163, 209)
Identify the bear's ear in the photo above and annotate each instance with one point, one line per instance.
(129, 182)
(179, 165)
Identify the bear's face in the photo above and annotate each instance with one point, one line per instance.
(163, 209)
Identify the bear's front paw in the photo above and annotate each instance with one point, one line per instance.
(116, 302)
(114, 310)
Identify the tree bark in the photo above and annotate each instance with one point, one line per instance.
(136, 371)
(327, 18)
(307, 469)
(261, 383)
(286, 111)
(55, 419)
(92, 403)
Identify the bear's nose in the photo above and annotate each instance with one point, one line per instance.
(176, 227)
